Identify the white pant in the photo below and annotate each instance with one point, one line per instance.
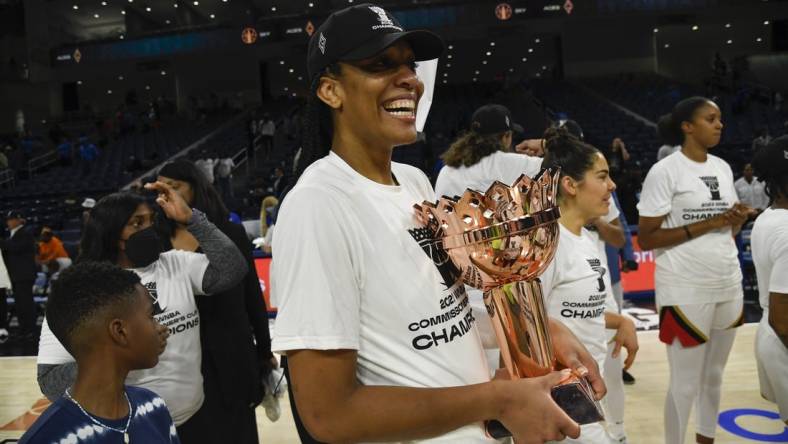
(708, 330)
(772, 358)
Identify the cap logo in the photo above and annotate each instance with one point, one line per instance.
(508, 125)
(785, 153)
(383, 18)
(321, 43)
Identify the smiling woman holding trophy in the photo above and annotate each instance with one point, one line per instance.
(380, 341)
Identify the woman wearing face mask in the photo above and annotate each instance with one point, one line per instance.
(576, 285)
(356, 291)
(120, 230)
(689, 214)
(233, 367)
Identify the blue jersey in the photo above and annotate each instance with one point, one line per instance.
(63, 421)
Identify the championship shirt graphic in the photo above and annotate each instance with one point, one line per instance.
(432, 246)
(597, 267)
(714, 186)
(175, 321)
(455, 318)
(154, 296)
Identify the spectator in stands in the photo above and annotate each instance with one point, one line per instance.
(3, 161)
(267, 131)
(51, 255)
(88, 153)
(19, 256)
(348, 272)
(778, 101)
(278, 182)
(206, 164)
(770, 256)
(87, 206)
(617, 157)
(689, 212)
(224, 175)
(234, 331)
(104, 317)
(663, 133)
(120, 230)
(762, 140)
(751, 191)
(65, 152)
(268, 209)
(482, 155)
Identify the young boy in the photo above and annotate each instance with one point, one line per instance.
(104, 318)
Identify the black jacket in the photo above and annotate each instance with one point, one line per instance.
(228, 322)
(19, 254)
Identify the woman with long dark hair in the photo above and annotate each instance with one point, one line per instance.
(356, 291)
(576, 284)
(483, 155)
(769, 244)
(236, 343)
(689, 213)
(120, 230)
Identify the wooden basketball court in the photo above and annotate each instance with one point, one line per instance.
(21, 401)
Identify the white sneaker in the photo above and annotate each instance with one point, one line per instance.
(3, 335)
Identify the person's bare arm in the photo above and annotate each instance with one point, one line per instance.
(651, 235)
(778, 315)
(611, 232)
(335, 407)
(626, 336)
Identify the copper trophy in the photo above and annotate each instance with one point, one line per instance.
(501, 241)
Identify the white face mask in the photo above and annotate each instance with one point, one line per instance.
(426, 71)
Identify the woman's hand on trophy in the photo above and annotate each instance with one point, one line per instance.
(627, 337)
(572, 354)
(528, 411)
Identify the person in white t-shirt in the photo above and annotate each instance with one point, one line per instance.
(482, 155)
(770, 255)
(120, 230)
(474, 161)
(751, 190)
(379, 338)
(689, 213)
(576, 284)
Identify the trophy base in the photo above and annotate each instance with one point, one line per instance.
(575, 397)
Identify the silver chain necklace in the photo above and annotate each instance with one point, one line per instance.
(124, 431)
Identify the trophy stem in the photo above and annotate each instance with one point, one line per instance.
(519, 318)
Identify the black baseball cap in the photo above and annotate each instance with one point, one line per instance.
(361, 31)
(493, 119)
(14, 214)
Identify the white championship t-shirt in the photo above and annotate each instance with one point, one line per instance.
(172, 282)
(501, 166)
(576, 286)
(349, 273)
(704, 269)
(769, 243)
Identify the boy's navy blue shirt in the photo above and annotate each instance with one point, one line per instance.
(64, 422)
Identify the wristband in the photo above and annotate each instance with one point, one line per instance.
(686, 230)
